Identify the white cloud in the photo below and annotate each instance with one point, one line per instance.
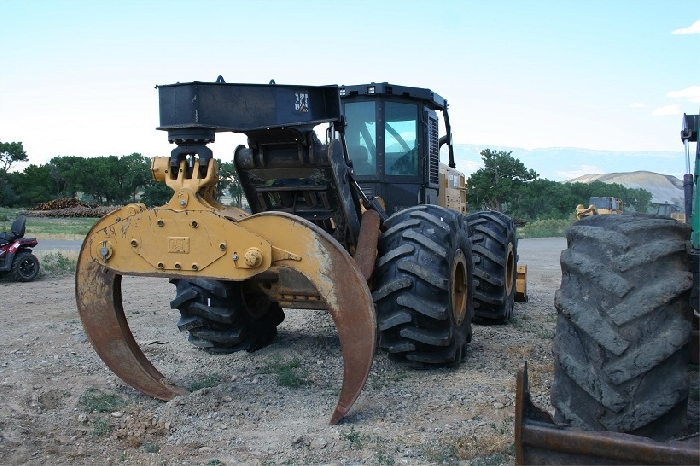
(693, 29)
(469, 167)
(667, 110)
(691, 94)
(637, 105)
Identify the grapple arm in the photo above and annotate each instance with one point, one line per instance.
(193, 237)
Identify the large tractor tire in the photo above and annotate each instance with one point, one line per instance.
(623, 325)
(221, 318)
(495, 250)
(423, 295)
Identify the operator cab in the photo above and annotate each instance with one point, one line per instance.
(606, 203)
(392, 140)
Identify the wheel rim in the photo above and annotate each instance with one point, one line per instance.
(26, 268)
(510, 269)
(458, 292)
(255, 302)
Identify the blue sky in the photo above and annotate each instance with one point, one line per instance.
(78, 77)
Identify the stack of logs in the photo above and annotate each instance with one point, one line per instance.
(68, 207)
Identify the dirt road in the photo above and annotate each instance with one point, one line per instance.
(52, 386)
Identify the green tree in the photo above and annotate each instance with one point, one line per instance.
(32, 186)
(133, 172)
(110, 180)
(544, 200)
(95, 181)
(66, 172)
(156, 194)
(499, 183)
(228, 179)
(638, 198)
(11, 153)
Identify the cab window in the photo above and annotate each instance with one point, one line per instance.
(360, 137)
(400, 141)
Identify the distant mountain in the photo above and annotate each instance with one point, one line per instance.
(566, 163)
(664, 188)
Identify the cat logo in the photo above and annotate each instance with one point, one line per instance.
(179, 244)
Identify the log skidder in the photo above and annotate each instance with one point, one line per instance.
(312, 237)
(495, 249)
(623, 325)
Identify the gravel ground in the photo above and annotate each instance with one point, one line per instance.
(52, 385)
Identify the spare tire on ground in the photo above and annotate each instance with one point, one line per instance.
(623, 325)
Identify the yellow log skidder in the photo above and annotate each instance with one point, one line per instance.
(357, 225)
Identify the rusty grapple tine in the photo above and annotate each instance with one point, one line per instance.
(99, 299)
(341, 283)
(348, 301)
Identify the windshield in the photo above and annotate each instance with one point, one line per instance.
(400, 130)
(604, 203)
(360, 137)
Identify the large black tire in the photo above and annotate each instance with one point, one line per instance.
(423, 295)
(495, 249)
(623, 325)
(222, 319)
(695, 269)
(25, 267)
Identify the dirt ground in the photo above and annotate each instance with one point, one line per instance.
(52, 383)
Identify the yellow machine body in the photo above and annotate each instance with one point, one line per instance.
(453, 192)
(316, 239)
(600, 206)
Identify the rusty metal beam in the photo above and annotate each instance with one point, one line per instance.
(366, 253)
(539, 440)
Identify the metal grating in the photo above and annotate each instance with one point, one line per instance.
(433, 152)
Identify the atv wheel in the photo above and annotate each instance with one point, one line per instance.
(25, 267)
(424, 287)
(623, 325)
(495, 249)
(222, 319)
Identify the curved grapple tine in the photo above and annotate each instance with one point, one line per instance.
(99, 299)
(350, 304)
(357, 334)
(339, 281)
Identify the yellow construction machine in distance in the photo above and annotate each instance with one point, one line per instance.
(600, 206)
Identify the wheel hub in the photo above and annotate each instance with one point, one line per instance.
(510, 269)
(458, 291)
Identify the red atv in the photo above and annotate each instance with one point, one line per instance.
(16, 258)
